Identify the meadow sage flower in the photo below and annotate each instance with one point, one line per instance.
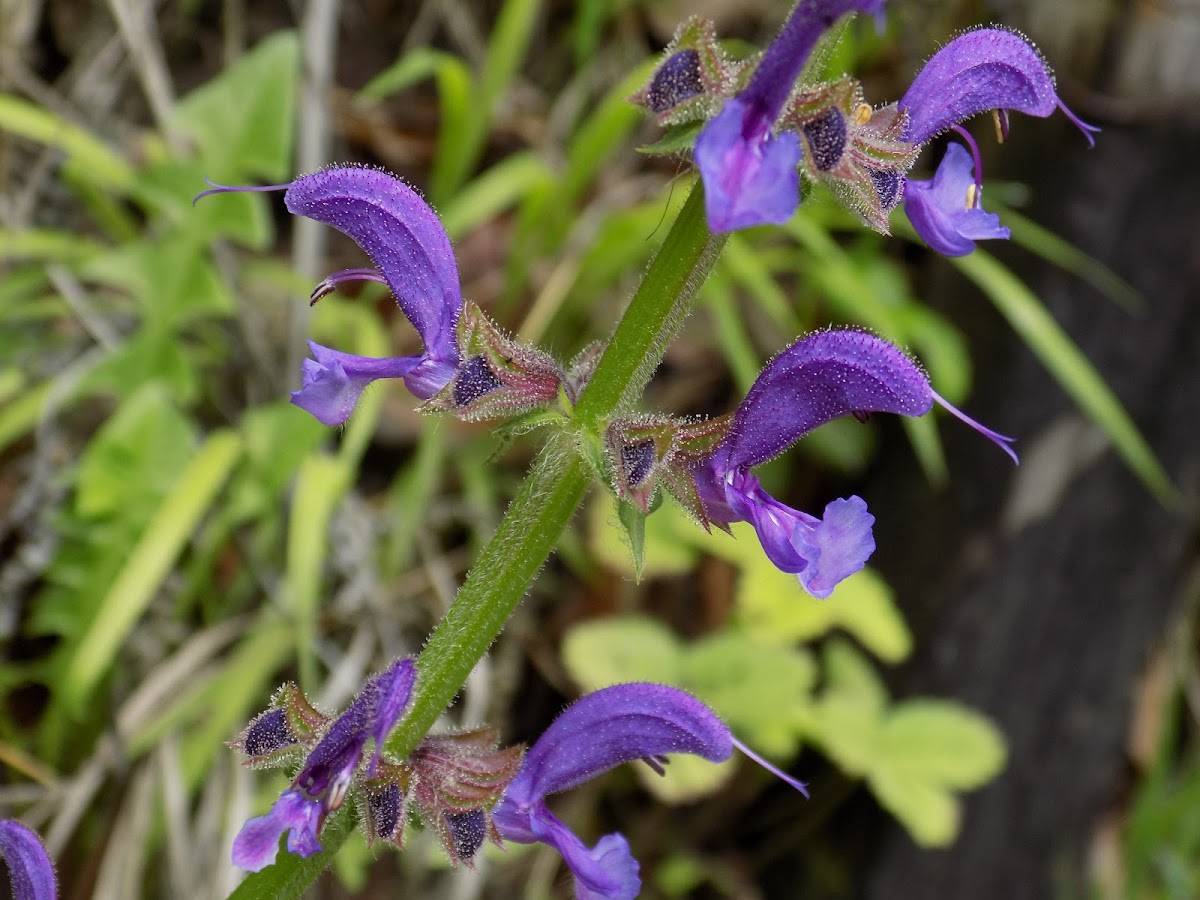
(750, 171)
(616, 725)
(988, 69)
(819, 378)
(413, 257)
(330, 767)
(29, 868)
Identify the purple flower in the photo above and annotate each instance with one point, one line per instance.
(29, 868)
(412, 255)
(947, 210)
(819, 378)
(982, 70)
(323, 783)
(616, 725)
(750, 175)
(988, 69)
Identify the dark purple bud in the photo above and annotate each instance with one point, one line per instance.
(467, 832)
(826, 137)
(889, 187)
(474, 380)
(268, 733)
(501, 377)
(636, 461)
(29, 868)
(676, 80)
(385, 809)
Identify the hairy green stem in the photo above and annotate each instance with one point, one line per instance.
(555, 487)
(544, 505)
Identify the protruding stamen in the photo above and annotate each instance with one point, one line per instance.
(779, 773)
(657, 763)
(862, 114)
(996, 438)
(976, 158)
(240, 189)
(331, 282)
(973, 195)
(1000, 118)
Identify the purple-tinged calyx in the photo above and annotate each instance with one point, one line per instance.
(620, 724)
(30, 871)
(692, 78)
(453, 781)
(499, 377)
(330, 769)
(749, 171)
(819, 378)
(411, 254)
(647, 452)
(857, 151)
(979, 71)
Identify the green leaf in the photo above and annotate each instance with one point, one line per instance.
(947, 744)
(667, 550)
(244, 119)
(633, 522)
(173, 523)
(87, 156)
(677, 139)
(493, 192)
(772, 605)
(1074, 372)
(1049, 246)
(931, 814)
(760, 689)
(320, 484)
(619, 649)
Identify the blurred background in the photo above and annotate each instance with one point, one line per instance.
(1004, 705)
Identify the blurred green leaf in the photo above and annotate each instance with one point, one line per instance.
(192, 493)
(244, 119)
(87, 156)
(1074, 372)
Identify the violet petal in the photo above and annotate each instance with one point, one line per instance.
(333, 381)
(616, 725)
(257, 843)
(820, 378)
(984, 69)
(749, 179)
(944, 210)
(403, 237)
(30, 870)
(607, 871)
(394, 688)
